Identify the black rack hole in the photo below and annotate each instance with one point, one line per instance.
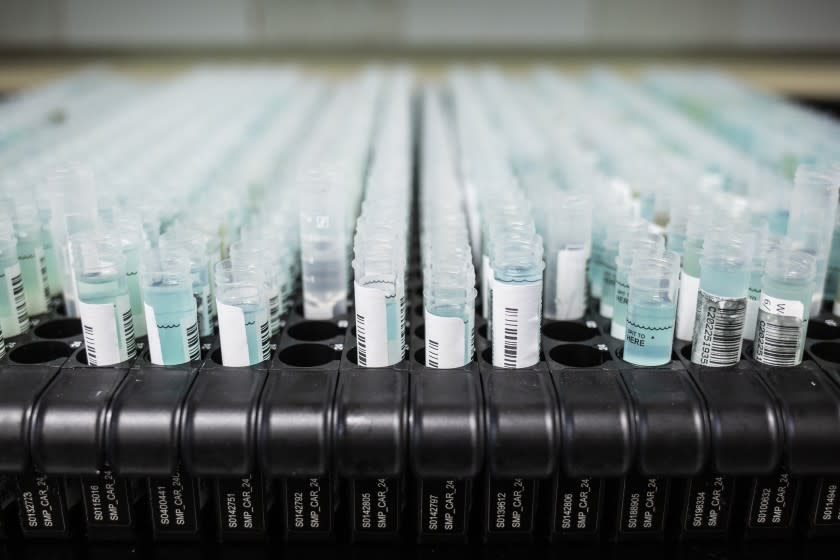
(487, 355)
(314, 330)
(420, 332)
(308, 355)
(216, 356)
(820, 330)
(420, 356)
(40, 352)
(482, 331)
(352, 356)
(686, 352)
(828, 351)
(59, 328)
(81, 357)
(568, 331)
(578, 355)
(418, 309)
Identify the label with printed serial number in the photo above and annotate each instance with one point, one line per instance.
(107, 501)
(41, 503)
(376, 505)
(643, 504)
(826, 511)
(719, 326)
(517, 311)
(773, 502)
(175, 503)
(578, 507)
(708, 505)
(443, 507)
(240, 503)
(308, 505)
(511, 504)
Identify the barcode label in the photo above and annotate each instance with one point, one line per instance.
(194, 349)
(752, 313)
(106, 328)
(2, 346)
(204, 307)
(780, 331)
(570, 290)
(687, 306)
(447, 343)
(380, 336)
(274, 312)
(265, 341)
(516, 323)
(718, 331)
(19, 323)
(233, 335)
(402, 318)
(33, 271)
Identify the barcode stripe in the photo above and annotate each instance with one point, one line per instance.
(20, 303)
(777, 345)
(44, 276)
(128, 329)
(265, 341)
(361, 342)
(511, 341)
(90, 344)
(433, 354)
(193, 349)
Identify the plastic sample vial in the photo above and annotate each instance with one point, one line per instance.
(449, 314)
(651, 309)
(323, 245)
(242, 305)
(628, 250)
(764, 245)
(261, 253)
(692, 246)
(104, 304)
(50, 253)
(722, 298)
(517, 301)
(14, 315)
(379, 326)
(196, 246)
(789, 278)
(171, 318)
(574, 237)
(130, 233)
(33, 265)
(616, 231)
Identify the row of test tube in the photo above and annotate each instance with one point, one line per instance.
(380, 246)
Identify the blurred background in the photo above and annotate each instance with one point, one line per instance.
(788, 46)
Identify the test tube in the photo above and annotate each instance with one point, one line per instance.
(195, 245)
(169, 305)
(14, 315)
(50, 251)
(379, 327)
(787, 286)
(130, 233)
(764, 245)
(517, 301)
(628, 250)
(651, 309)
(722, 298)
(33, 265)
(262, 253)
(692, 250)
(574, 239)
(616, 231)
(242, 305)
(449, 312)
(104, 303)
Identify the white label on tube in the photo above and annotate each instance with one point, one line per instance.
(687, 306)
(486, 285)
(783, 307)
(106, 332)
(371, 327)
(155, 351)
(516, 324)
(401, 299)
(570, 292)
(752, 313)
(446, 346)
(233, 337)
(19, 322)
(2, 346)
(39, 298)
